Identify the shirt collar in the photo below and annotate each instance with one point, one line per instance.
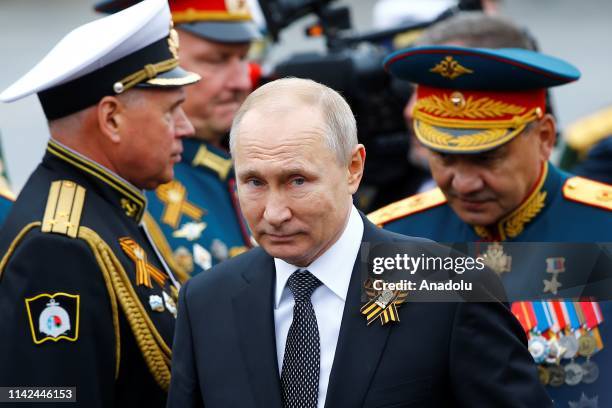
(334, 267)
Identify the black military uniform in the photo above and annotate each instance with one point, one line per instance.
(85, 299)
(106, 329)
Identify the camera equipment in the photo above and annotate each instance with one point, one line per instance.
(352, 65)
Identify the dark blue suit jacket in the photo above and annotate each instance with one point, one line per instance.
(439, 355)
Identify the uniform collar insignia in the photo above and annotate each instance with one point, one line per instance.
(514, 224)
(131, 199)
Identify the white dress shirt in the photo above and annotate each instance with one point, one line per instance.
(333, 268)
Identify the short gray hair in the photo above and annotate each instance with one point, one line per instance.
(340, 125)
(476, 29)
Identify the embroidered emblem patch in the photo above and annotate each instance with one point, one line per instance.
(53, 317)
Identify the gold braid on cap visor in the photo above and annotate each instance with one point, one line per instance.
(433, 113)
(149, 71)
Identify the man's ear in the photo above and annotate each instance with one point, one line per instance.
(547, 135)
(355, 167)
(111, 113)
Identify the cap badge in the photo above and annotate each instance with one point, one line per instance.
(237, 6)
(450, 68)
(173, 42)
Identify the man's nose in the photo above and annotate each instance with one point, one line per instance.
(182, 125)
(466, 181)
(277, 212)
(238, 76)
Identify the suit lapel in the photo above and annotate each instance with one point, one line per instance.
(359, 346)
(254, 316)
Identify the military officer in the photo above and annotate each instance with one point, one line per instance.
(195, 219)
(480, 114)
(85, 301)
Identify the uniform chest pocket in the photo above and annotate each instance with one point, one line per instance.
(413, 392)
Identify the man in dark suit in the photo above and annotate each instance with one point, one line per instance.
(280, 326)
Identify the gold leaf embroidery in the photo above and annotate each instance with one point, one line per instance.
(481, 108)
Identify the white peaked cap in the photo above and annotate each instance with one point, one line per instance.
(89, 48)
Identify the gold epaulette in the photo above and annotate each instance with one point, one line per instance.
(64, 207)
(588, 192)
(585, 133)
(407, 206)
(213, 161)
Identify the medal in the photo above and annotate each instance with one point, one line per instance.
(538, 347)
(570, 344)
(202, 257)
(156, 303)
(219, 249)
(590, 372)
(383, 305)
(554, 266)
(190, 231)
(551, 285)
(543, 374)
(557, 376)
(585, 402)
(555, 351)
(496, 259)
(573, 374)
(586, 345)
(170, 304)
(183, 258)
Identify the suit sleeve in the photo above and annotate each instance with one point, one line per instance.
(184, 385)
(33, 352)
(490, 365)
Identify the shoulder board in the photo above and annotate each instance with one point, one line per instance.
(588, 192)
(411, 205)
(64, 207)
(585, 133)
(6, 193)
(213, 161)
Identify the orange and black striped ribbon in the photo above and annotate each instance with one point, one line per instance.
(372, 311)
(144, 270)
